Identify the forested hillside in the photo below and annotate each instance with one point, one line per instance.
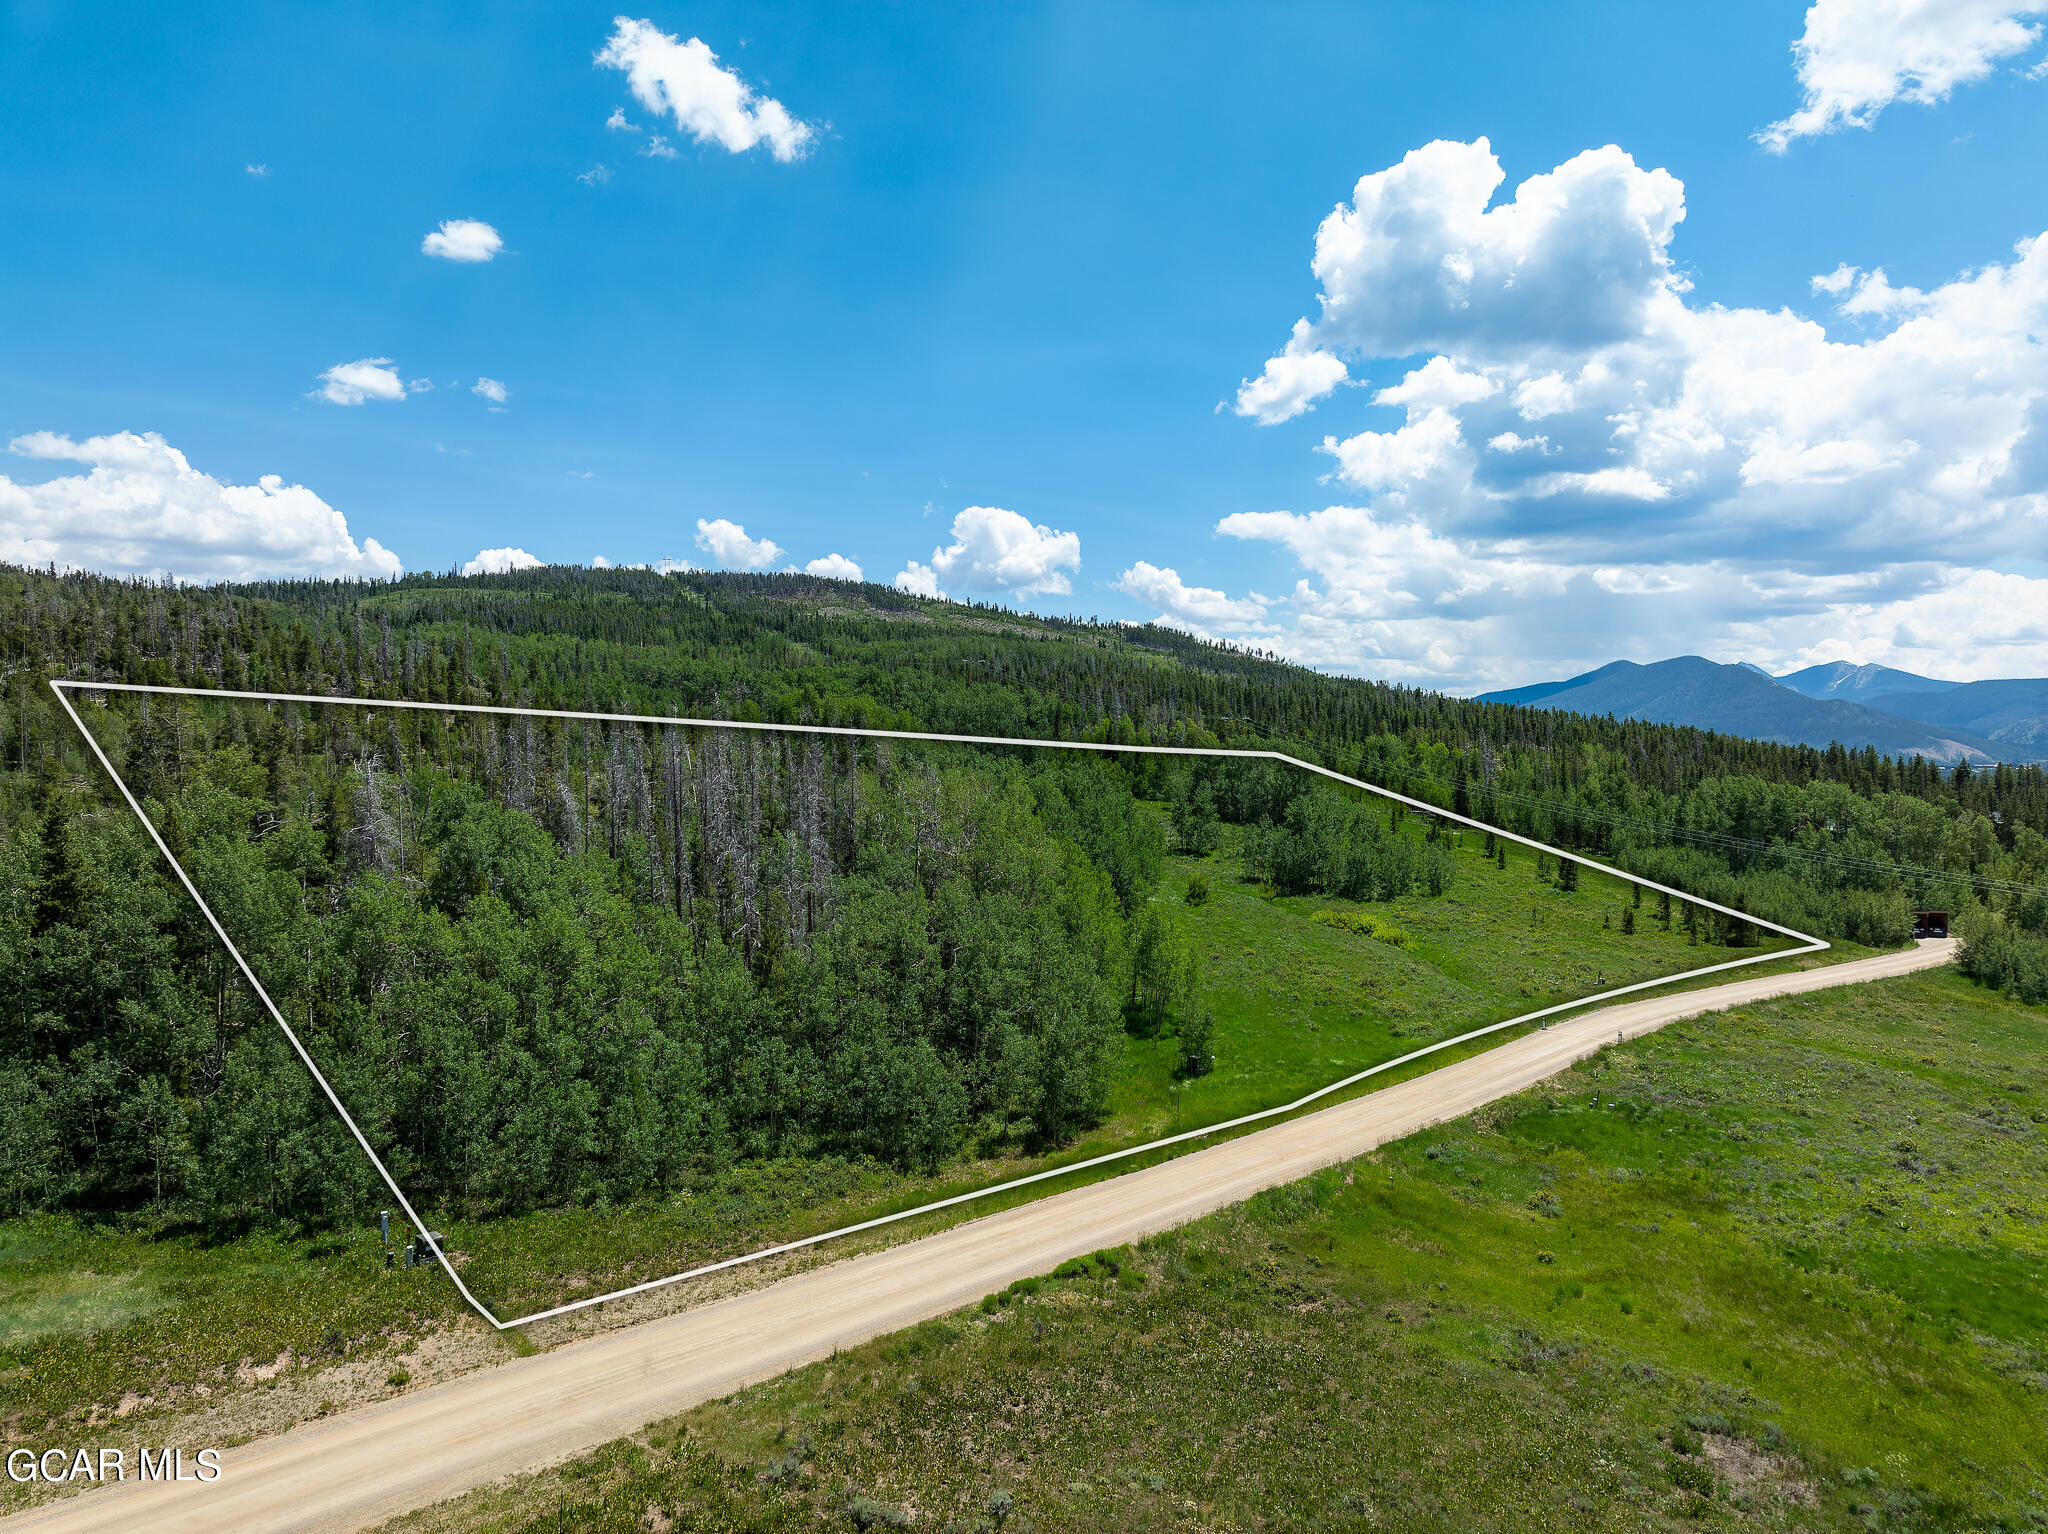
(553, 963)
(548, 965)
(801, 650)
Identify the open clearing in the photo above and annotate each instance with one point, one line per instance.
(350, 1470)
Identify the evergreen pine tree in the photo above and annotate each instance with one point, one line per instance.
(62, 883)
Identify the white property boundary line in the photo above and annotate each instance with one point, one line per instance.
(64, 686)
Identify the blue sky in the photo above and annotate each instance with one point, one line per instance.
(982, 286)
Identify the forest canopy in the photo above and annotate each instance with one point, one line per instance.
(549, 964)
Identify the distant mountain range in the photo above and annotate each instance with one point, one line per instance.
(1897, 712)
(1858, 684)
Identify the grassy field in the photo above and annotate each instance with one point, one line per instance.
(92, 1315)
(1777, 1268)
(1299, 1004)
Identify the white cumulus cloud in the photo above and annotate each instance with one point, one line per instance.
(919, 580)
(1747, 425)
(1291, 382)
(499, 562)
(834, 567)
(1965, 623)
(1431, 445)
(1857, 57)
(731, 549)
(998, 550)
(684, 80)
(463, 239)
(354, 383)
(490, 389)
(1378, 567)
(142, 509)
(1203, 609)
(1419, 262)
(1695, 467)
(1438, 382)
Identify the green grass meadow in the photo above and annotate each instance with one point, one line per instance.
(1299, 1004)
(1777, 1268)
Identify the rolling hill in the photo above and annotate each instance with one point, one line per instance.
(1740, 700)
(2013, 712)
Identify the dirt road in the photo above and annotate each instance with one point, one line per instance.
(358, 1469)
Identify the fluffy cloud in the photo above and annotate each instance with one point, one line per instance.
(1857, 57)
(500, 562)
(919, 580)
(1430, 446)
(1418, 262)
(731, 549)
(998, 550)
(1291, 382)
(354, 383)
(1374, 567)
(1561, 306)
(463, 239)
(1438, 382)
(144, 510)
(713, 105)
(1965, 623)
(490, 389)
(834, 567)
(1692, 468)
(1202, 609)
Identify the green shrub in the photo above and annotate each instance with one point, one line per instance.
(788, 1466)
(2003, 956)
(1692, 1475)
(867, 1513)
(1365, 924)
